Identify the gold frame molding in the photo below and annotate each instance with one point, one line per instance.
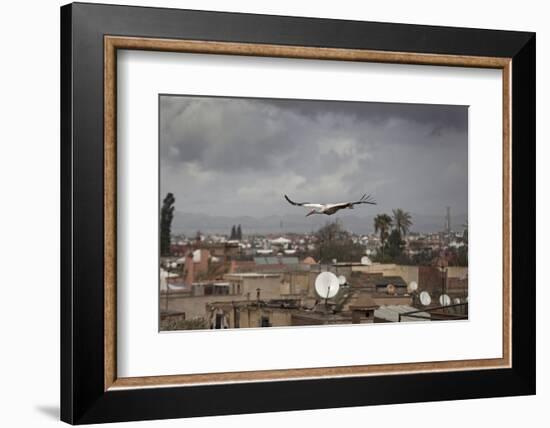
(113, 43)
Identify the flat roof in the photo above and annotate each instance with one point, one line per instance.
(252, 275)
(392, 312)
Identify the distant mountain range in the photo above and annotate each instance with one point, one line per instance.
(190, 223)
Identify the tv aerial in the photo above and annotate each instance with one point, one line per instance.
(327, 285)
(365, 261)
(412, 287)
(444, 300)
(390, 289)
(342, 280)
(425, 298)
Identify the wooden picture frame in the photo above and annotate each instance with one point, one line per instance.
(91, 390)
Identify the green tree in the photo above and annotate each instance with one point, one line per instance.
(462, 253)
(382, 224)
(239, 233)
(402, 221)
(334, 242)
(166, 217)
(424, 258)
(395, 245)
(233, 233)
(462, 256)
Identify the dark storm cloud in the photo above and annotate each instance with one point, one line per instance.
(236, 156)
(224, 134)
(441, 116)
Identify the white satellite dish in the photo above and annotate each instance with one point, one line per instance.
(366, 261)
(412, 287)
(444, 300)
(326, 285)
(425, 298)
(457, 301)
(342, 280)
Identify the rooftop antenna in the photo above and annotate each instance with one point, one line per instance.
(444, 300)
(327, 286)
(448, 221)
(365, 261)
(412, 289)
(425, 298)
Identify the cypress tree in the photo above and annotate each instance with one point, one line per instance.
(166, 217)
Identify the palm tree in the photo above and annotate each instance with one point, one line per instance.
(382, 224)
(402, 221)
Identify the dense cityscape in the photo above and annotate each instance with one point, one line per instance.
(279, 212)
(241, 280)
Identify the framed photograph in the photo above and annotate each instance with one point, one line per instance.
(267, 213)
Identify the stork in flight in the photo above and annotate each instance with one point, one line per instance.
(330, 209)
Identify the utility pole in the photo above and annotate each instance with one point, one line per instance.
(448, 221)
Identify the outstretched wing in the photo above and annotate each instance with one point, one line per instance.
(365, 199)
(303, 204)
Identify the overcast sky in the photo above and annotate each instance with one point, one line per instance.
(238, 156)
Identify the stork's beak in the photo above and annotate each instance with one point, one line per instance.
(310, 213)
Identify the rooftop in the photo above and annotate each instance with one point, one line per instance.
(391, 313)
(276, 260)
(251, 275)
(361, 301)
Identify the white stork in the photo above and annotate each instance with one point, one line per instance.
(330, 209)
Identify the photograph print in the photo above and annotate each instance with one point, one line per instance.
(291, 212)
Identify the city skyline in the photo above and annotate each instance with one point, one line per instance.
(254, 183)
(190, 223)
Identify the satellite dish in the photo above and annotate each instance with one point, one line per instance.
(425, 298)
(366, 261)
(444, 300)
(457, 301)
(412, 287)
(326, 285)
(342, 280)
(390, 289)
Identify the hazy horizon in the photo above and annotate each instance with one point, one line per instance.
(189, 223)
